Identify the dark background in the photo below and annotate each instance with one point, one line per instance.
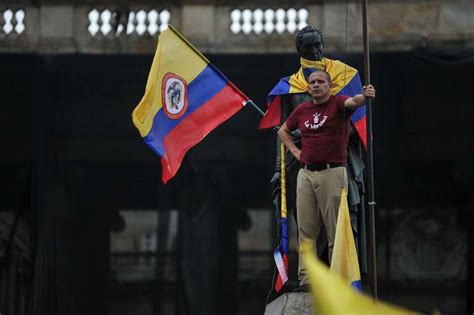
(71, 158)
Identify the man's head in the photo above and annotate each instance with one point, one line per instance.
(319, 86)
(309, 43)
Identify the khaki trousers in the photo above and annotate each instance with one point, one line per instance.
(318, 195)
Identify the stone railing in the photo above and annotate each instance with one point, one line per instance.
(269, 21)
(133, 23)
(12, 22)
(109, 28)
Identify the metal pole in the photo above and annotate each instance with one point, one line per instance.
(250, 102)
(370, 159)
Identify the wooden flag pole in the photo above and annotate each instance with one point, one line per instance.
(370, 158)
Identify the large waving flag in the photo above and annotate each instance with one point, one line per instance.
(344, 260)
(186, 97)
(331, 294)
(345, 80)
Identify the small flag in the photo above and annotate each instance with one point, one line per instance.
(344, 260)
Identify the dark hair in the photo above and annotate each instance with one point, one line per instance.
(328, 77)
(308, 29)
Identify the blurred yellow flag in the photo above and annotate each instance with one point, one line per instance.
(332, 295)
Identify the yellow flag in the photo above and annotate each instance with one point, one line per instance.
(332, 295)
(344, 260)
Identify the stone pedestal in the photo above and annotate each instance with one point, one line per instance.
(291, 304)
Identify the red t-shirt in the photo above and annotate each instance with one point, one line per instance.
(324, 130)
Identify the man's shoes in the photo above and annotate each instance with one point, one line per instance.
(302, 288)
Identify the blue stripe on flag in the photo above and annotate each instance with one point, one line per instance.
(284, 236)
(357, 285)
(358, 114)
(352, 88)
(307, 72)
(207, 84)
(282, 87)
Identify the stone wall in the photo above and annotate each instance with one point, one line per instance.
(63, 26)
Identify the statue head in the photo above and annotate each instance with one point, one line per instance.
(309, 43)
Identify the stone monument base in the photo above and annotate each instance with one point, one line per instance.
(291, 304)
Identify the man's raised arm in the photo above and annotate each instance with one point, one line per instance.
(359, 99)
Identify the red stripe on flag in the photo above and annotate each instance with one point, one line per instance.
(196, 126)
(272, 116)
(279, 282)
(360, 126)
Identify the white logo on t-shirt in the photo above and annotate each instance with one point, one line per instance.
(316, 123)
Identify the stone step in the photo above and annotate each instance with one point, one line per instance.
(291, 304)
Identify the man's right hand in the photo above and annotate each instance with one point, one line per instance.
(296, 133)
(297, 153)
(285, 136)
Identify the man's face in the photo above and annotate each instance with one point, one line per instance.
(318, 85)
(310, 46)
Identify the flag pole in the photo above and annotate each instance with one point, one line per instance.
(254, 106)
(370, 157)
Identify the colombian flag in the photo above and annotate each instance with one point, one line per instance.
(186, 97)
(345, 80)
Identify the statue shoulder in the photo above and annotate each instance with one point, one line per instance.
(290, 101)
(295, 99)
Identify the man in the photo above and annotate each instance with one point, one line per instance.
(292, 91)
(324, 124)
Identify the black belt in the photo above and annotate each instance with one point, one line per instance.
(321, 166)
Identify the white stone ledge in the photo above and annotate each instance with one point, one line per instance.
(393, 25)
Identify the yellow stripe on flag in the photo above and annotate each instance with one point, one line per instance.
(298, 83)
(341, 74)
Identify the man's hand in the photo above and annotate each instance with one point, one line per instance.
(285, 136)
(359, 99)
(369, 91)
(296, 133)
(297, 153)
